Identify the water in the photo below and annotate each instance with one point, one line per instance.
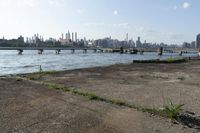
(11, 63)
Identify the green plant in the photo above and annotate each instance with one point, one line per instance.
(172, 111)
(35, 76)
(40, 69)
(181, 78)
(18, 79)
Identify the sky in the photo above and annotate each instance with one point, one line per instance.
(168, 21)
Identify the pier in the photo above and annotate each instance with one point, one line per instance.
(57, 49)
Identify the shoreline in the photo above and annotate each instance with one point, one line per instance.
(156, 61)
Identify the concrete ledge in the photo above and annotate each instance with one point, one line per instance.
(169, 60)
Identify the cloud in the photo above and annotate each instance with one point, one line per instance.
(175, 7)
(175, 36)
(4, 3)
(31, 3)
(80, 11)
(115, 12)
(94, 24)
(122, 25)
(56, 2)
(186, 5)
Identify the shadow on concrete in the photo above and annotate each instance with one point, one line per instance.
(189, 120)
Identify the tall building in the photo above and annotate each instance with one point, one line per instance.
(62, 36)
(66, 36)
(127, 37)
(138, 43)
(72, 36)
(198, 41)
(69, 36)
(75, 36)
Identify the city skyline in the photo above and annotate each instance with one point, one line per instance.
(171, 22)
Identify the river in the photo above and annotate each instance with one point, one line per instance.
(29, 61)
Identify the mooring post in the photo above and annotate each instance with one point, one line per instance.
(141, 51)
(84, 50)
(160, 51)
(40, 68)
(20, 51)
(72, 51)
(40, 51)
(58, 51)
(121, 50)
(180, 53)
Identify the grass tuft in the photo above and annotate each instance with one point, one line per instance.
(18, 79)
(34, 76)
(173, 111)
(170, 111)
(181, 78)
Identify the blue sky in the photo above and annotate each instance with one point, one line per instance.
(168, 21)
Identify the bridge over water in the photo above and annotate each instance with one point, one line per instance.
(57, 49)
(73, 49)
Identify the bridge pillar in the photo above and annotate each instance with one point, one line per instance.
(58, 51)
(180, 53)
(20, 51)
(101, 50)
(40, 51)
(134, 51)
(121, 50)
(160, 51)
(72, 51)
(95, 50)
(141, 51)
(84, 50)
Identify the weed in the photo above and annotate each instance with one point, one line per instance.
(181, 78)
(18, 79)
(35, 76)
(170, 111)
(56, 86)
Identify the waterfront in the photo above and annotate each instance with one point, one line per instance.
(29, 61)
(41, 103)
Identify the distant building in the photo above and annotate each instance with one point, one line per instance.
(127, 37)
(138, 43)
(198, 41)
(76, 37)
(72, 37)
(186, 45)
(69, 36)
(193, 44)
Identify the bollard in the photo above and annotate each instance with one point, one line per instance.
(95, 50)
(40, 69)
(58, 51)
(84, 50)
(180, 53)
(20, 51)
(72, 51)
(141, 51)
(160, 51)
(121, 50)
(40, 51)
